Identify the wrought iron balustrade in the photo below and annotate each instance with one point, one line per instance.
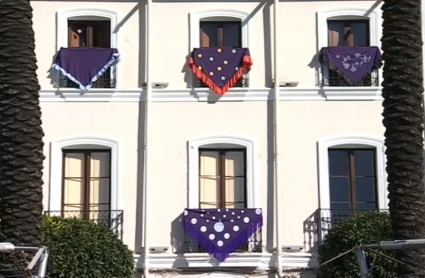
(242, 82)
(111, 218)
(105, 82)
(334, 79)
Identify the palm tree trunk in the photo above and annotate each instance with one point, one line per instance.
(21, 145)
(403, 120)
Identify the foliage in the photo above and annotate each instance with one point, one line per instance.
(84, 249)
(367, 227)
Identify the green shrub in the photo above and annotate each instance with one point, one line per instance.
(83, 249)
(368, 227)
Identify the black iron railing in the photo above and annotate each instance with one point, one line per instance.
(111, 218)
(242, 83)
(105, 82)
(333, 79)
(253, 244)
(317, 225)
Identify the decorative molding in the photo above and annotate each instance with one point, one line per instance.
(259, 261)
(358, 12)
(195, 18)
(82, 141)
(222, 141)
(350, 141)
(91, 13)
(205, 95)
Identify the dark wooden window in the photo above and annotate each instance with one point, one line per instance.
(352, 180)
(347, 33)
(221, 34)
(86, 182)
(222, 178)
(90, 33)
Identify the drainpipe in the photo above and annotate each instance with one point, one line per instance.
(146, 139)
(278, 209)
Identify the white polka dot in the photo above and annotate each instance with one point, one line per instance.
(246, 219)
(211, 236)
(242, 211)
(218, 210)
(239, 217)
(208, 220)
(235, 228)
(213, 217)
(185, 212)
(231, 220)
(227, 209)
(203, 210)
(258, 211)
(220, 243)
(226, 235)
(224, 216)
(233, 213)
(194, 221)
(218, 227)
(202, 215)
(203, 229)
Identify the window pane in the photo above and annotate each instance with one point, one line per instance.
(209, 180)
(364, 163)
(336, 33)
(73, 182)
(338, 162)
(359, 30)
(209, 36)
(235, 191)
(235, 164)
(339, 189)
(366, 206)
(232, 34)
(365, 189)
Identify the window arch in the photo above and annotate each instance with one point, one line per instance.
(221, 142)
(348, 142)
(82, 143)
(229, 14)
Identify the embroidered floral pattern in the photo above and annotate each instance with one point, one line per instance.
(354, 62)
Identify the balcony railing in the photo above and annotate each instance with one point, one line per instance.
(111, 218)
(253, 244)
(105, 82)
(242, 83)
(333, 79)
(317, 225)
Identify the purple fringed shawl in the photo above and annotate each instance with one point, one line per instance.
(222, 231)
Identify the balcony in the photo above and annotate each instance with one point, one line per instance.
(332, 79)
(242, 83)
(317, 225)
(104, 82)
(111, 218)
(252, 245)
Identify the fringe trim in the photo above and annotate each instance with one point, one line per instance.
(114, 59)
(245, 67)
(221, 254)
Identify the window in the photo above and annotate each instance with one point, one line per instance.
(352, 181)
(220, 34)
(86, 184)
(222, 178)
(89, 34)
(347, 33)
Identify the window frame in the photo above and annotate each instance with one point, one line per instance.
(86, 202)
(351, 174)
(222, 153)
(349, 142)
(348, 13)
(88, 13)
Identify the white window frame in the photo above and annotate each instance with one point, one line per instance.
(196, 17)
(224, 141)
(87, 13)
(82, 142)
(348, 13)
(347, 142)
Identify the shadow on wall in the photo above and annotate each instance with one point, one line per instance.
(140, 176)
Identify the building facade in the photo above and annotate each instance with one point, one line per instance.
(150, 140)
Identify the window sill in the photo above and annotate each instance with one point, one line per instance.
(352, 93)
